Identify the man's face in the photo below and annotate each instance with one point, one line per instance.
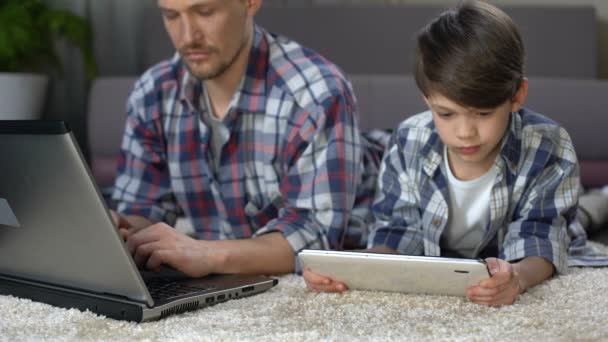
(471, 135)
(208, 34)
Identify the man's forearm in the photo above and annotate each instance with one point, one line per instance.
(266, 254)
(533, 271)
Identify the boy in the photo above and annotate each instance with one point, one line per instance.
(478, 175)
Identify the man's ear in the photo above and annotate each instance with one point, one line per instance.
(520, 96)
(253, 6)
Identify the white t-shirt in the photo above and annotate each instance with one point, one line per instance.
(217, 127)
(469, 211)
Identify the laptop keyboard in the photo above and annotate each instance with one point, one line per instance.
(161, 289)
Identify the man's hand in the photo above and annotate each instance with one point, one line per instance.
(121, 223)
(502, 288)
(153, 244)
(320, 283)
(161, 244)
(128, 225)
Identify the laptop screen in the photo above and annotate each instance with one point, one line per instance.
(64, 234)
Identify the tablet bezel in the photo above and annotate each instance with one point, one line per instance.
(397, 273)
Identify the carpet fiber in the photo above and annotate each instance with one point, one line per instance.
(570, 307)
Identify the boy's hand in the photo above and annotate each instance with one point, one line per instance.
(502, 288)
(320, 283)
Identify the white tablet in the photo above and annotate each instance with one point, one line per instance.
(397, 273)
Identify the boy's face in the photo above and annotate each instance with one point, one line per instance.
(472, 135)
(209, 34)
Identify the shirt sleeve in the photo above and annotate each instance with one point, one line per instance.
(142, 185)
(541, 218)
(321, 158)
(398, 223)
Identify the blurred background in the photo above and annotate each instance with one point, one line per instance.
(122, 37)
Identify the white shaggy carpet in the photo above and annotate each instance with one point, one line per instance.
(570, 307)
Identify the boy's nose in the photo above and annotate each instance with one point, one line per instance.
(466, 130)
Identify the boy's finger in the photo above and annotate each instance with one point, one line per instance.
(313, 277)
(333, 287)
(493, 266)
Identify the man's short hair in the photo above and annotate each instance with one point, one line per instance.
(472, 54)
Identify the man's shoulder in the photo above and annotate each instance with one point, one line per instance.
(302, 72)
(163, 75)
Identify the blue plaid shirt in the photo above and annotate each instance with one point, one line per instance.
(532, 203)
(292, 164)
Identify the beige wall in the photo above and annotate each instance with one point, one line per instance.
(601, 10)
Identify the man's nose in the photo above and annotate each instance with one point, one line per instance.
(190, 32)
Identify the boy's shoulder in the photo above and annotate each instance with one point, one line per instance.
(539, 133)
(534, 120)
(416, 128)
(532, 126)
(416, 140)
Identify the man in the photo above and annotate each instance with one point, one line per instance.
(252, 136)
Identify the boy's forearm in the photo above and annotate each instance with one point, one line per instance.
(533, 271)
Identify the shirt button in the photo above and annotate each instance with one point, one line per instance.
(436, 222)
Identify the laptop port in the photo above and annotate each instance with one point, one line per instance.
(248, 288)
(221, 297)
(209, 300)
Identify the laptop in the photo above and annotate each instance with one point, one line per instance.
(397, 273)
(58, 243)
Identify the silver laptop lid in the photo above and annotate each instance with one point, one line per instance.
(55, 227)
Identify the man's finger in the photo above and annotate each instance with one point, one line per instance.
(144, 251)
(159, 257)
(124, 233)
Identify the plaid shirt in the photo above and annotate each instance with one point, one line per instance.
(292, 163)
(532, 203)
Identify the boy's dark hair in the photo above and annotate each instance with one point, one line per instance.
(472, 54)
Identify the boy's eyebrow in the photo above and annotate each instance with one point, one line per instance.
(438, 106)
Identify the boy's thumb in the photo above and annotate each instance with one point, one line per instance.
(492, 264)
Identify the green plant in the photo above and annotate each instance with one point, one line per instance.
(29, 30)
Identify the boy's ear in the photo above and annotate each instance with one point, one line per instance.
(426, 100)
(520, 96)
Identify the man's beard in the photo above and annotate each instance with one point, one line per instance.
(215, 71)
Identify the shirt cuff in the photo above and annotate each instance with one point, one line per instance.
(529, 247)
